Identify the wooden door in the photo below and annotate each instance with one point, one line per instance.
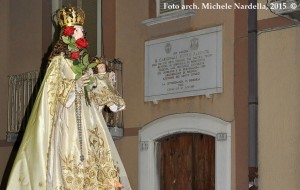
(187, 162)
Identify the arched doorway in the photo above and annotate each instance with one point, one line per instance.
(187, 161)
(187, 123)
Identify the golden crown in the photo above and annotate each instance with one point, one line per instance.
(98, 60)
(70, 16)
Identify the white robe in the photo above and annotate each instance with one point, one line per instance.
(49, 154)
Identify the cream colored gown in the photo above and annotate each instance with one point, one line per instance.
(49, 155)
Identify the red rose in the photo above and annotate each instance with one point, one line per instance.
(81, 43)
(75, 55)
(69, 30)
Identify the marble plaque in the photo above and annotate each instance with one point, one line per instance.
(188, 64)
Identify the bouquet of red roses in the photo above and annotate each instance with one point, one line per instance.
(80, 57)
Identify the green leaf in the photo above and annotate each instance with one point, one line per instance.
(65, 39)
(85, 59)
(92, 65)
(73, 40)
(76, 62)
(88, 88)
(83, 51)
(72, 47)
(91, 80)
(77, 69)
(82, 67)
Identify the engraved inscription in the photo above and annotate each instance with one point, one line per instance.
(188, 64)
(181, 70)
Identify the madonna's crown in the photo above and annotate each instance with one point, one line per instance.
(70, 16)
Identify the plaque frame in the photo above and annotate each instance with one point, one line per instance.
(207, 42)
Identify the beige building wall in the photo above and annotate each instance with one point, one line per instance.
(131, 35)
(24, 53)
(279, 109)
(279, 105)
(26, 36)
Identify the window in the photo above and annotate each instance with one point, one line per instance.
(164, 7)
(167, 10)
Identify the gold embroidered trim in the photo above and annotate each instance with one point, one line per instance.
(65, 88)
(98, 171)
(106, 97)
(52, 77)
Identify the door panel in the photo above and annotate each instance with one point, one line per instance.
(204, 156)
(187, 162)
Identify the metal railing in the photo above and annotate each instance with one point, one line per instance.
(21, 88)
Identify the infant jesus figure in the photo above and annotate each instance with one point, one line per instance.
(104, 91)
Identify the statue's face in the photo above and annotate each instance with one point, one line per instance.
(101, 68)
(78, 32)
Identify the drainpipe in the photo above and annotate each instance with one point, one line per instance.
(253, 96)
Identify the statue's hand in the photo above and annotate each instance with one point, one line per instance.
(83, 81)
